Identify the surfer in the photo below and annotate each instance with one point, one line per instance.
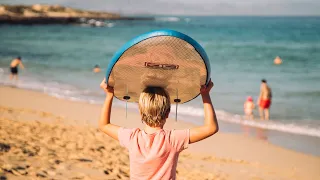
(154, 151)
(248, 108)
(96, 69)
(14, 67)
(277, 60)
(264, 100)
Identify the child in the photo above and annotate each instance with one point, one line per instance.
(248, 108)
(154, 151)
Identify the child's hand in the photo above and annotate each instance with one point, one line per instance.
(205, 89)
(107, 89)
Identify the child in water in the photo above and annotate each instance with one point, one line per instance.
(154, 151)
(248, 108)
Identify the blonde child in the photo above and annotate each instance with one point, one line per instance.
(248, 108)
(154, 151)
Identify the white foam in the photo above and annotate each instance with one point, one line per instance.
(238, 119)
(168, 19)
(58, 90)
(69, 92)
(110, 25)
(193, 112)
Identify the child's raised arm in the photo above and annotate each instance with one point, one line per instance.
(104, 122)
(210, 126)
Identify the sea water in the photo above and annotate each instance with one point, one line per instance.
(59, 61)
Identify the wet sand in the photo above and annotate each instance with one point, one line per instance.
(50, 138)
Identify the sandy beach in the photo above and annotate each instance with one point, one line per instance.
(42, 137)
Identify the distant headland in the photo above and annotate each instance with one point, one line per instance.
(54, 14)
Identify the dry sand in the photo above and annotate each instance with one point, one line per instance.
(42, 137)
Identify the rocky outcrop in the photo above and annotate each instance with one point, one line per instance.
(52, 14)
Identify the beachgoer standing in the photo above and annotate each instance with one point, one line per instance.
(14, 67)
(264, 100)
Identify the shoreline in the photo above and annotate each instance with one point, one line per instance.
(221, 152)
(294, 141)
(188, 112)
(297, 142)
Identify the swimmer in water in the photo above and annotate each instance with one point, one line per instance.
(277, 60)
(96, 69)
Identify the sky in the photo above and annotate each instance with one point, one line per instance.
(190, 7)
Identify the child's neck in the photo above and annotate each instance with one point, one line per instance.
(150, 130)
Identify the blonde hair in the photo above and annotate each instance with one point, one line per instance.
(154, 106)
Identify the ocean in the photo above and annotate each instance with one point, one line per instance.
(59, 61)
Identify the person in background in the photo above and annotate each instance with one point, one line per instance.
(14, 67)
(96, 69)
(264, 100)
(248, 108)
(277, 61)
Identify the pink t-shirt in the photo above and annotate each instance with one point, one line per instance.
(153, 156)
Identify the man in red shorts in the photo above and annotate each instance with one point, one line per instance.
(264, 100)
